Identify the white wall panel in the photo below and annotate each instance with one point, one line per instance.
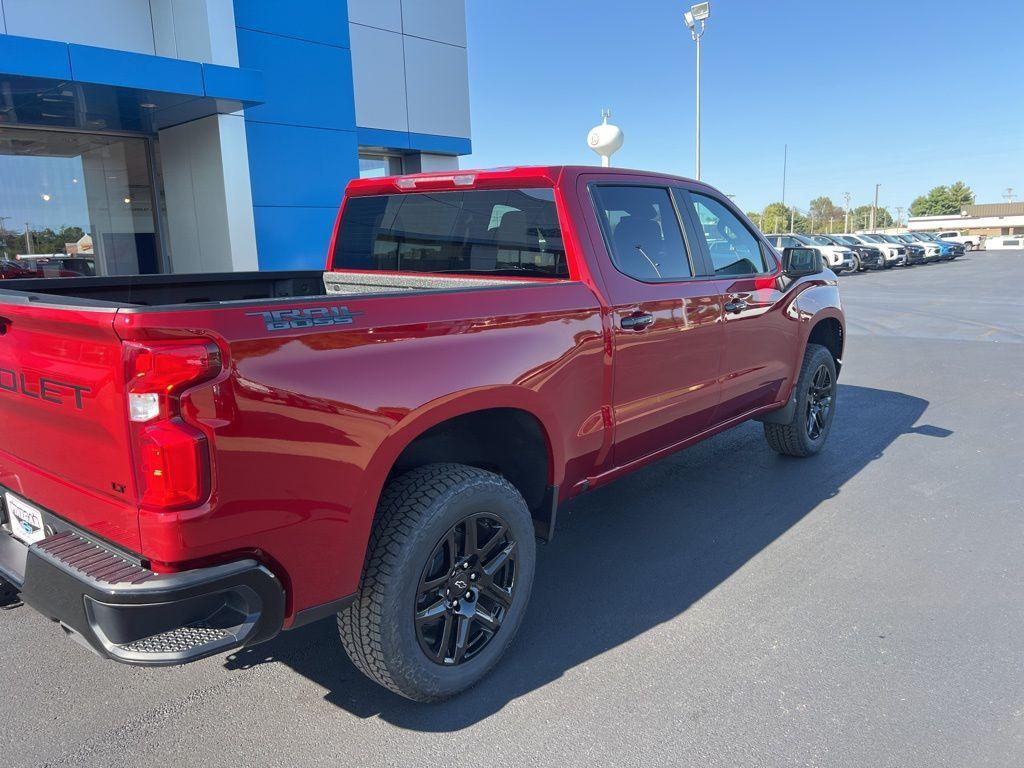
(430, 162)
(378, 72)
(195, 30)
(208, 194)
(443, 20)
(121, 24)
(437, 81)
(383, 14)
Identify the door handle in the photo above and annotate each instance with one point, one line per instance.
(736, 306)
(636, 322)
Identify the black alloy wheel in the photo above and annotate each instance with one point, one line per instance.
(466, 590)
(820, 397)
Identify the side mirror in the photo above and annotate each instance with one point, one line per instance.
(800, 262)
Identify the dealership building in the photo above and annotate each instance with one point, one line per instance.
(144, 136)
(986, 219)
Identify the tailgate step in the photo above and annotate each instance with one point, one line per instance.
(180, 640)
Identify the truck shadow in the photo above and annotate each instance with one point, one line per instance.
(631, 556)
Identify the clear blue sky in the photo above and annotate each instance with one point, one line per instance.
(905, 93)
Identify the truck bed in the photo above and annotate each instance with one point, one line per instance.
(213, 288)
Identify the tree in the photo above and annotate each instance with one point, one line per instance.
(860, 218)
(775, 218)
(943, 201)
(821, 209)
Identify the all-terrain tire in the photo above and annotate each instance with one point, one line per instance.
(795, 438)
(415, 511)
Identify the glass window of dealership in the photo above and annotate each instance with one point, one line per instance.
(147, 136)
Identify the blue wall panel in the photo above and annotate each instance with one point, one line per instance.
(320, 21)
(29, 57)
(305, 83)
(310, 166)
(293, 238)
(106, 66)
(233, 83)
(302, 140)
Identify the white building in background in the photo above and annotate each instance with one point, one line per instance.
(989, 219)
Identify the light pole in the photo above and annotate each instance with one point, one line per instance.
(846, 222)
(899, 217)
(695, 19)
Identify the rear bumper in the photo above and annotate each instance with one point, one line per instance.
(125, 612)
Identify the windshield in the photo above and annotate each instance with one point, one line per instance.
(822, 240)
(803, 239)
(924, 236)
(496, 232)
(890, 239)
(846, 239)
(871, 238)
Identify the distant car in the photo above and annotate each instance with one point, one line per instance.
(58, 265)
(12, 270)
(1004, 242)
(839, 258)
(895, 253)
(968, 241)
(932, 252)
(869, 256)
(948, 250)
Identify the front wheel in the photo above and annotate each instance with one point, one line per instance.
(447, 579)
(805, 434)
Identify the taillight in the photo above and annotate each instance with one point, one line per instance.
(172, 459)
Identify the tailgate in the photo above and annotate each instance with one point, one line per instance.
(64, 441)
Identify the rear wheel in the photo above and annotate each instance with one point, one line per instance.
(857, 267)
(448, 576)
(806, 432)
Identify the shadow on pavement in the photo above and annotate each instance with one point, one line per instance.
(631, 556)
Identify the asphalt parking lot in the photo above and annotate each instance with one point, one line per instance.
(725, 606)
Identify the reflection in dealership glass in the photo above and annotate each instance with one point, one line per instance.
(75, 205)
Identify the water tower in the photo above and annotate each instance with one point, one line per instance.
(605, 139)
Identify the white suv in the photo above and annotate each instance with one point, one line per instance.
(839, 259)
(895, 254)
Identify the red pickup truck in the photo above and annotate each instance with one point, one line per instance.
(192, 463)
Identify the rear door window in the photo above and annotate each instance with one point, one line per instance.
(641, 228)
(496, 232)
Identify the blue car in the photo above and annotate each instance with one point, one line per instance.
(947, 250)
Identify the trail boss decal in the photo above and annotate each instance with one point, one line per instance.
(315, 317)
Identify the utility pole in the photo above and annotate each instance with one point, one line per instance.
(874, 208)
(846, 222)
(792, 214)
(3, 235)
(28, 238)
(899, 217)
(830, 220)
